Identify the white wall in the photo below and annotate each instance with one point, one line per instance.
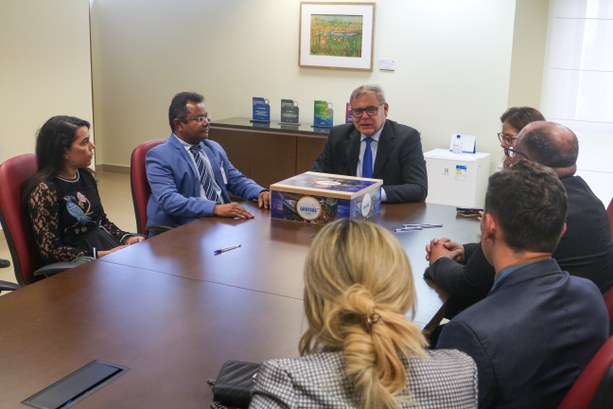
(453, 64)
(529, 38)
(45, 68)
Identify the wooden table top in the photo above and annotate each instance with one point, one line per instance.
(173, 333)
(272, 252)
(172, 312)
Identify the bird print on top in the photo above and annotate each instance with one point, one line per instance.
(79, 207)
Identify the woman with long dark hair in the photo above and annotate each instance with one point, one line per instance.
(68, 220)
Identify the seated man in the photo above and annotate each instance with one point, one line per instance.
(539, 326)
(377, 148)
(585, 250)
(190, 176)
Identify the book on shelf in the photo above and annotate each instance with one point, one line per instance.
(261, 110)
(290, 113)
(323, 114)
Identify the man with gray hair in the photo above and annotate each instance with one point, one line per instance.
(375, 147)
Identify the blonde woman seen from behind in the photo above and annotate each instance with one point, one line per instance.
(360, 349)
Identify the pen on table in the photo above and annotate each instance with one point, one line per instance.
(425, 225)
(407, 228)
(223, 250)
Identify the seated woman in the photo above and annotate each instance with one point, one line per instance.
(513, 120)
(62, 198)
(360, 350)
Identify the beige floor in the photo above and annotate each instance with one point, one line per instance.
(116, 199)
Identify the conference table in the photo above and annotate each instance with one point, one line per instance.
(172, 312)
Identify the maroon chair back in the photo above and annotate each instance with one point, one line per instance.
(608, 300)
(594, 387)
(15, 221)
(610, 213)
(139, 184)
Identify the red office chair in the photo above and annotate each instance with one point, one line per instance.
(16, 224)
(139, 184)
(594, 387)
(610, 212)
(608, 300)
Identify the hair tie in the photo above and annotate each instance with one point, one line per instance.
(371, 319)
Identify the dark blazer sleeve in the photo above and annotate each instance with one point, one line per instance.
(340, 152)
(458, 335)
(400, 163)
(470, 248)
(323, 163)
(466, 284)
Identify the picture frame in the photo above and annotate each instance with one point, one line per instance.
(337, 35)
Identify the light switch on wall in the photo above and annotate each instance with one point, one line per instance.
(387, 65)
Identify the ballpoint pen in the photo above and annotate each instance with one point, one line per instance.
(407, 228)
(423, 225)
(223, 250)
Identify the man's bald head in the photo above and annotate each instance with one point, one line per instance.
(549, 144)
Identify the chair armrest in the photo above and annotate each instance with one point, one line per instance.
(54, 268)
(158, 230)
(8, 286)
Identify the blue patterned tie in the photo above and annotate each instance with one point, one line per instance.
(367, 160)
(205, 177)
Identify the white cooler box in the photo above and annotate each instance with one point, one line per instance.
(457, 179)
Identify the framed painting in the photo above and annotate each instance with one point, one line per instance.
(337, 35)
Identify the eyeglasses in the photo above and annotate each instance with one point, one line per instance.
(201, 118)
(511, 152)
(506, 139)
(370, 111)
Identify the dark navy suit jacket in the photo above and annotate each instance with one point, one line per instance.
(531, 336)
(399, 162)
(585, 250)
(175, 183)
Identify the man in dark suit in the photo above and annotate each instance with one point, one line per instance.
(190, 176)
(376, 147)
(539, 326)
(585, 250)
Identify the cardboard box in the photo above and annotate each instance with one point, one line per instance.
(321, 198)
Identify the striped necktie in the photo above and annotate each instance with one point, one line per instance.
(206, 179)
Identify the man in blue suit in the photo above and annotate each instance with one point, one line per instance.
(539, 326)
(190, 176)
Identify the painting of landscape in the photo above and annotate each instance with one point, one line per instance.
(336, 35)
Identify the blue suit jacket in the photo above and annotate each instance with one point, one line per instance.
(531, 336)
(175, 184)
(399, 162)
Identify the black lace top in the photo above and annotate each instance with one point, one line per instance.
(62, 210)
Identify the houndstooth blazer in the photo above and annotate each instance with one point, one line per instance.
(445, 379)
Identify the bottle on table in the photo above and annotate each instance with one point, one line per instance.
(457, 144)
